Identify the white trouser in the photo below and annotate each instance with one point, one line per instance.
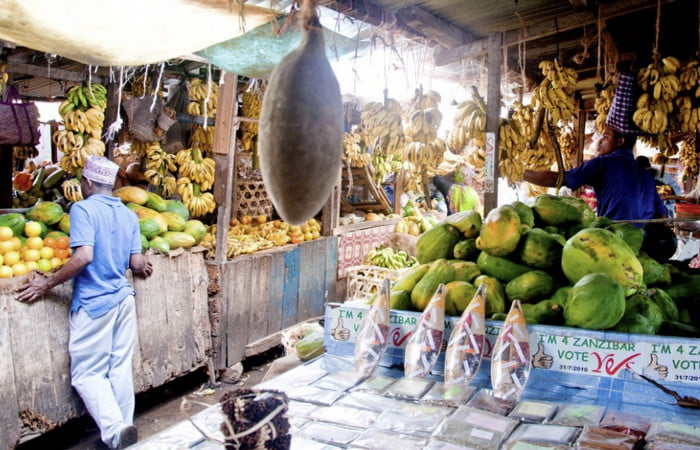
(101, 368)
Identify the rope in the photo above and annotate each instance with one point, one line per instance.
(600, 30)
(157, 87)
(658, 31)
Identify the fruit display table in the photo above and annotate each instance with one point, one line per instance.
(173, 340)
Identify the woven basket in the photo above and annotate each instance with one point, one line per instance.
(252, 199)
(365, 281)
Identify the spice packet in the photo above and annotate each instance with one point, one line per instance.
(674, 432)
(409, 388)
(533, 411)
(475, 428)
(303, 375)
(377, 439)
(632, 424)
(375, 384)
(578, 415)
(330, 433)
(345, 415)
(510, 360)
(545, 434)
(465, 347)
(373, 337)
(302, 443)
(435, 444)
(484, 399)
(424, 345)
(338, 381)
(596, 437)
(448, 394)
(300, 409)
(413, 419)
(313, 394)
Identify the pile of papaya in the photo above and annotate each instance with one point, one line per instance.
(566, 265)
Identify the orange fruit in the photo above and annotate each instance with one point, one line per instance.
(61, 253)
(5, 233)
(49, 241)
(32, 229)
(34, 242)
(55, 262)
(62, 242)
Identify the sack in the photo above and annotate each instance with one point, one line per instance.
(19, 121)
(623, 106)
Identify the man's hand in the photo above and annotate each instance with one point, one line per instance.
(34, 289)
(145, 270)
(139, 265)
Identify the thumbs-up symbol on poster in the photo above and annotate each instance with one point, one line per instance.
(540, 359)
(340, 333)
(654, 369)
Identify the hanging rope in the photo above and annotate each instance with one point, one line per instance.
(658, 31)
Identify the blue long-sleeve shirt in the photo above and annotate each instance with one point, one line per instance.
(623, 189)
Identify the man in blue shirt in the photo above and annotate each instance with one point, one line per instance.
(105, 242)
(624, 190)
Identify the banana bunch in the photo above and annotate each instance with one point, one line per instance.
(420, 100)
(83, 98)
(381, 126)
(196, 167)
(71, 190)
(423, 156)
(556, 92)
(204, 137)
(511, 142)
(353, 153)
(434, 156)
(24, 152)
(89, 122)
(159, 165)
(688, 112)
(689, 158)
(690, 77)
(688, 115)
(385, 256)
(204, 98)
(199, 203)
(142, 84)
(76, 148)
(422, 125)
(384, 165)
(251, 103)
(660, 86)
(602, 104)
(568, 145)
(469, 124)
(4, 77)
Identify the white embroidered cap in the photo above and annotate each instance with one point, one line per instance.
(101, 170)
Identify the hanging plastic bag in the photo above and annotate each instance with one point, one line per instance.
(19, 121)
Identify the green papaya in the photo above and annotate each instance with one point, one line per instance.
(440, 272)
(665, 303)
(400, 300)
(573, 228)
(156, 202)
(149, 228)
(466, 271)
(644, 305)
(196, 229)
(527, 216)
(64, 223)
(436, 243)
(555, 210)
(685, 290)
(634, 323)
(595, 302)
(601, 222)
(144, 243)
(174, 221)
(595, 250)
(560, 295)
(178, 239)
(467, 222)
(544, 312)
(495, 294)
(551, 229)
(458, 294)
(653, 271)
(500, 232)
(178, 208)
(666, 276)
(501, 268)
(159, 244)
(410, 278)
(530, 286)
(15, 221)
(559, 238)
(539, 249)
(466, 250)
(48, 212)
(633, 236)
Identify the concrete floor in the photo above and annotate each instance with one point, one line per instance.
(159, 408)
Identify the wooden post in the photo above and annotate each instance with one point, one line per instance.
(330, 214)
(579, 132)
(111, 114)
(493, 110)
(225, 158)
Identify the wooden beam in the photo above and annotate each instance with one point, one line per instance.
(225, 158)
(466, 51)
(52, 73)
(445, 34)
(493, 113)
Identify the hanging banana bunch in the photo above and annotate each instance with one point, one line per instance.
(204, 137)
(193, 165)
(71, 190)
(603, 102)
(660, 86)
(353, 152)
(689, 157)
(384, 165)
(251, 105)
(199, 203)
(159, 168)
(142, 85)
(24, 152)
(381, 127)
(83, 118)
(568, 145)
(688, 100)
(203, 102)
(556, 92)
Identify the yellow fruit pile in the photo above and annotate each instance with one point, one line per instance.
(21, 256)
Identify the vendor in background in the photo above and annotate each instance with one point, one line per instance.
(624, 190)
(456, 188)
(662, 180)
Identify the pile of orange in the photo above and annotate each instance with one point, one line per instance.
(20, 256)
